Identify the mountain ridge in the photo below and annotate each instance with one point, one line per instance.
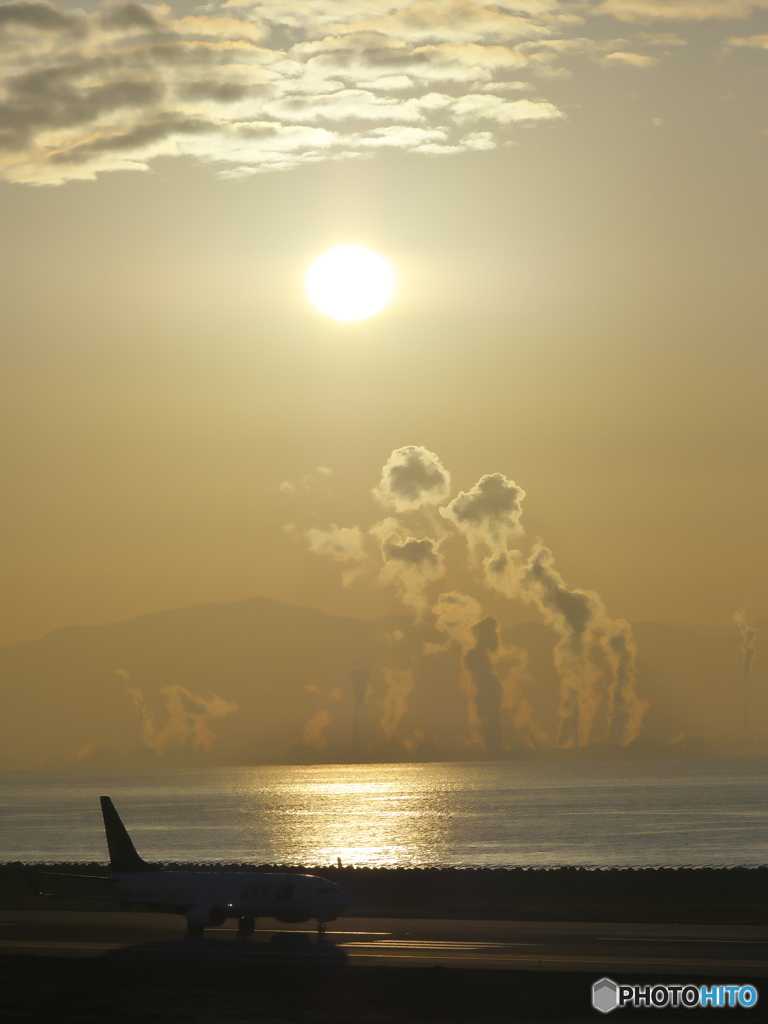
(259, 679)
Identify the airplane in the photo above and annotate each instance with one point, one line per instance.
(207, 898)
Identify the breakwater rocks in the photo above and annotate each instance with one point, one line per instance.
(700, 895)
(653, 895)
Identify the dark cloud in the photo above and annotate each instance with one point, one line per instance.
(128, 16)
(135, 140)
(221, 92)
(46, 100)
(42, 17)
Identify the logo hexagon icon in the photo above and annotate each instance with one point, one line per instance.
(605, 995)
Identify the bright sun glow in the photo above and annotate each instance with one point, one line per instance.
(350, 283)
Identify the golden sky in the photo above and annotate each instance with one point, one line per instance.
(573, 197)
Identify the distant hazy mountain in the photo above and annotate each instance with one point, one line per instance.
(260, 681)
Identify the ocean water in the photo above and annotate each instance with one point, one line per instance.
(698, 813)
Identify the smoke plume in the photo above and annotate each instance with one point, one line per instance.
(492, 675)
(409, 564)
(455, 615)
(625, 709)
(399, 685)
(489, 513)
(360, 682)
(412, 477)
(342, 544)
(573, 615)
(314, 730)
(83, 752)
(580, 620)
(317, 481)
(479, 662)
(188, 716)
(335, 694)
(595, 656)
(748, 635)
(512, 668)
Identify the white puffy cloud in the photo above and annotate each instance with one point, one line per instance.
(483, 106)
(622, 59)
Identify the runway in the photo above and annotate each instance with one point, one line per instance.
(727, 951)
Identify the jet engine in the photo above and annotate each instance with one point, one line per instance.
(204, 916)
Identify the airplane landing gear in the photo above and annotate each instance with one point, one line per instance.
(321, 928)
(246, 926)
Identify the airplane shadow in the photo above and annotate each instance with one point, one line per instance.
(283, 947)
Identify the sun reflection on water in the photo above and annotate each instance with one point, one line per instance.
(474, 815)
(331, 812)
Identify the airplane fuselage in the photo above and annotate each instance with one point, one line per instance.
(286, 897)
(208, 898)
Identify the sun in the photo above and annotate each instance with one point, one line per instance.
(350, 283)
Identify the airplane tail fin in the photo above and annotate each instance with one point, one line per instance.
(123, 858)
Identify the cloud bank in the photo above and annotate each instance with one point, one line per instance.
(266, 86)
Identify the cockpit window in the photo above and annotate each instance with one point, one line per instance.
(326, 888)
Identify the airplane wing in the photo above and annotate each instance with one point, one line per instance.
(125, 900)
(79, 896)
